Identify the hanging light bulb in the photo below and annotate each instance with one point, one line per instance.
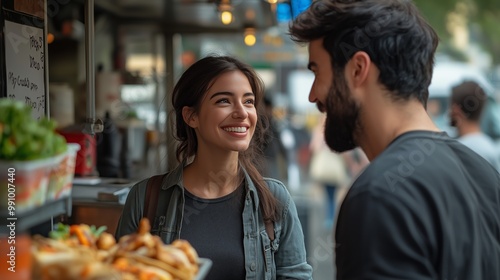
(226, 17)
(250, 38)
(225, 12)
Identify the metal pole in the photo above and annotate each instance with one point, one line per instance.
(91, 126)
(46, 61)
(169, 87)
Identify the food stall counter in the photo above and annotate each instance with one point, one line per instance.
(100, 203)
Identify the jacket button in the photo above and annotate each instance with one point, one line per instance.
(252, 266)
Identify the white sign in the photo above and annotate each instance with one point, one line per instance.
(24, 59)
(299, 85)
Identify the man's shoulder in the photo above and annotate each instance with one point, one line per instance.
(475, 137)
(408, 161)
(424, 165)
(412, 152)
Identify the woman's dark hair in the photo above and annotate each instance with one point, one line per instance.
(392, 32)
(190, 91)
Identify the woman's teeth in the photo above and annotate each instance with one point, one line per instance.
(235, 129)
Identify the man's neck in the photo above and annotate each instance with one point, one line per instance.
(467, 128)
(382, 126)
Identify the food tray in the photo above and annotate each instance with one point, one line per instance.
(205, 265)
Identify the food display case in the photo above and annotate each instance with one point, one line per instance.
(40, 214)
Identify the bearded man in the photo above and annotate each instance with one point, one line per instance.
(426, 207)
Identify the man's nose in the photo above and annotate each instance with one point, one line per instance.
(312, 96)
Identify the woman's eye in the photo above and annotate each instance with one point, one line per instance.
(250, 101)
(222, 101)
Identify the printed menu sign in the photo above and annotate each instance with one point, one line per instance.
(24, 65)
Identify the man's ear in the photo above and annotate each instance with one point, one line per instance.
(456, 111)
(359, 68)
(189, 116)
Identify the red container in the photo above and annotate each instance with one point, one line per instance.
(16, 256)
(86, 156)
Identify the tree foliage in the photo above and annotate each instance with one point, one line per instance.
(488, 18)
(482, 13)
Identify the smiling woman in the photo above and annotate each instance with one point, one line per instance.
(216, 198)
(227, 115)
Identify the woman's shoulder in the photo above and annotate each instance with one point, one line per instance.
(277, 188)
(140, 185)
(139, 189)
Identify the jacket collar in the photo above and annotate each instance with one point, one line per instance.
(174, 178)
(252, 190)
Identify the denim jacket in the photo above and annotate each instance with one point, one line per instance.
(282, 258)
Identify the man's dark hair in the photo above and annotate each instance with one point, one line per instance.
(392, 32)
(470, 97)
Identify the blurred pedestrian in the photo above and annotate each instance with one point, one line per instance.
(275, 153)
(426, 207)
(466, 107)
(356, 161)
(328, 169)
(216, 198)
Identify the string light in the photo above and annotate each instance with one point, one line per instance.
(250, 38)
(226, 15)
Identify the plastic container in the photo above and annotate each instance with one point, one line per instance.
(24, 183)
(61, 175)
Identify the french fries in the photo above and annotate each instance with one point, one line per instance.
(136, 256)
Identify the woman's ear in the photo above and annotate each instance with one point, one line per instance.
(189, 116)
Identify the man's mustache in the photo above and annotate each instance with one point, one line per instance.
(321, 106)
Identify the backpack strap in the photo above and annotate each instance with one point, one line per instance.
(151, 200)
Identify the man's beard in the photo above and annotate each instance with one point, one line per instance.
(453, 121)
(342, 114)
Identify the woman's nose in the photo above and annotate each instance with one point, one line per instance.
(240, 112)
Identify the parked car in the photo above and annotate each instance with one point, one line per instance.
(448, 74)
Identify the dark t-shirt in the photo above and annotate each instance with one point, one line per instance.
(214, 227)
(426, 208)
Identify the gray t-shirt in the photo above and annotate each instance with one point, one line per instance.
(426, 208)
(484, 146)
(214, 227)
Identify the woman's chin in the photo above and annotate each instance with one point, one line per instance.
(240, 148)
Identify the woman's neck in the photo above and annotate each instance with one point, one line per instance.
(212, 177)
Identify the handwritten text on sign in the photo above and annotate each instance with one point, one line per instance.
(24, 57)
